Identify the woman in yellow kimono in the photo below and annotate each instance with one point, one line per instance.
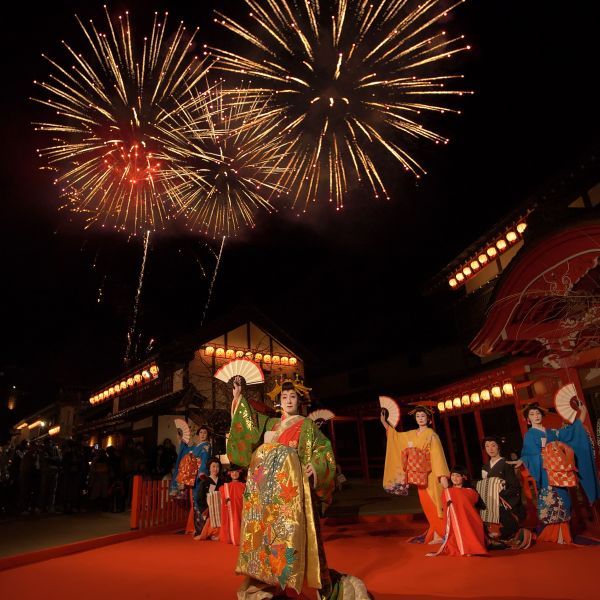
(288, 474)
(430, 495)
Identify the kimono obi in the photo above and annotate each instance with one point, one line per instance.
(559, 462)
(188, 470)
(416, 463)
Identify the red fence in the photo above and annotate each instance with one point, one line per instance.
(152, 506)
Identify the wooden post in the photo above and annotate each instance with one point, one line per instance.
(449, 438)
(362, 442)
(463, 437)
(136, 499)
(144, 505)
(520, 419)
(169, 503)
(164, 502)
(158, 495)
(332, 430)
(213, 383)
(152, 503)
(480, 432)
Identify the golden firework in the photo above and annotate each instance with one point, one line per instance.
(223, 158)
(108, 105)
(346, 78)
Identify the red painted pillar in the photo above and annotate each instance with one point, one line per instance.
(480, 432)
(463, 437)
(449, 438)
(520, 418)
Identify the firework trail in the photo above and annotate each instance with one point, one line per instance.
(131, 332)
(212, 283)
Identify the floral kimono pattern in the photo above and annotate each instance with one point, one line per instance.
(280, 542)
(551, 507)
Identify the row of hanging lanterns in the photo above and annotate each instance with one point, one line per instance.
(259, 357)
(130, 382)
(475, 398)
(510, 238)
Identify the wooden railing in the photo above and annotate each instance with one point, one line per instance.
(152, 506)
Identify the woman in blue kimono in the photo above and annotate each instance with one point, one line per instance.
(554, 502)
(201, 449)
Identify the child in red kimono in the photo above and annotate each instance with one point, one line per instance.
(464, 528)
(232, 496)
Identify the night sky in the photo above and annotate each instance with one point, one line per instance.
(330, 279)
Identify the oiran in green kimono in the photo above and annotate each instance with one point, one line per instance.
(291, 469)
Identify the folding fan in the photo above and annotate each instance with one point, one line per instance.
(392, 408)
(185, 430)
(243, 367)
(321, 415)
(566, 402)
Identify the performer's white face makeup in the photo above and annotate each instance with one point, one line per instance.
(492, 449)
(289, 402)
(457, 480)
(202, 435)
(421, 418)
(535, 416)
(214, 470)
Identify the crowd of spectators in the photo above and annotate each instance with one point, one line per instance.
(66, 476)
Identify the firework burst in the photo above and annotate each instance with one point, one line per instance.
(108, 104)
(347, 78)
(223, 159)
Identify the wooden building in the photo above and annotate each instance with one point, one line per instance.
(56, 419)
(518, 315)
(141, 402)
(527, 306)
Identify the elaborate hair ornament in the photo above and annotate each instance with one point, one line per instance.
(421, 408)
(297, 383)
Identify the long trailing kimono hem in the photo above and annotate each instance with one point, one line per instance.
(280, 542)
(464, 527)
(394, 476)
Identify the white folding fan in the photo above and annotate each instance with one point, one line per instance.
(322, 414)
(566, 402)
(244, 367)
(392, 408)
(185, 430)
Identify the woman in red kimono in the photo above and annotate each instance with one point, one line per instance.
(464, 528)
(232, 496)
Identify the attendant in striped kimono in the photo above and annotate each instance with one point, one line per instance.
(501, 492)
(206, 495)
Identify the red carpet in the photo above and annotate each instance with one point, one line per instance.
(152, 568)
